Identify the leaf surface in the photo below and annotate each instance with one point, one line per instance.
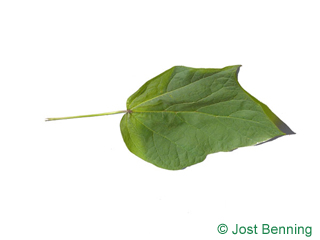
(179, 117)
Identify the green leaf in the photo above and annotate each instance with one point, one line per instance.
(179, 117)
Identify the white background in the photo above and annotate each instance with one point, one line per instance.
(75, 179)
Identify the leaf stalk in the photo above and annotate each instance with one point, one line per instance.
(84, 116)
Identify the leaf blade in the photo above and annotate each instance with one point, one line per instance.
(184, 114)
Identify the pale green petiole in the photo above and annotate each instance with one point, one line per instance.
(90, 115)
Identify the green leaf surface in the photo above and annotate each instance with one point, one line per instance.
(179, 117)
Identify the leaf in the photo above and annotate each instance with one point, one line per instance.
(179, 117)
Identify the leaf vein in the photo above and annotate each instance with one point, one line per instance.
(230, 117)
(164, 137)
(177, 89)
